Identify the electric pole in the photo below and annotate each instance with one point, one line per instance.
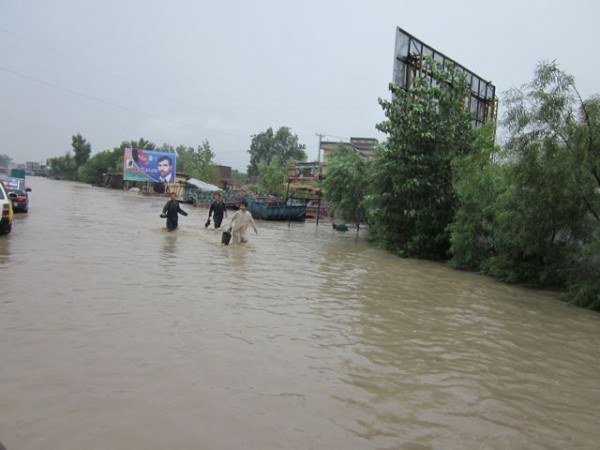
(319, 152)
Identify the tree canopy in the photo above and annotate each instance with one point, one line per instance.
(272, 176)
(66, 167)
(413, 201)
(266, 145)
(534, 217)
(346, 184)
(197, 163)
(93, 170)
(81, 148)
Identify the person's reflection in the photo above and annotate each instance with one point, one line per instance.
(169, 246)
(237, 260)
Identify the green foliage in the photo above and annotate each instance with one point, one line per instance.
(197, 163)
(535, 218)
(538, 222)
(93, 170)
(477, 185)
(585, 295)
(546, 215)
(272, 176)
(141, 143)
(236, 175)
(413, 201)
(63, 167)
(266, 145)
(584, 288)
(346, 184)
(81, 148)
(66, 167)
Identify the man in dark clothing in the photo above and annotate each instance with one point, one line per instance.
(217, 210)
(171, 211)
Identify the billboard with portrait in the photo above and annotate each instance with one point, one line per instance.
(149, 165)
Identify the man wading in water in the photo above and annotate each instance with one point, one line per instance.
(240, 222)
(217, 211)
(171, 211)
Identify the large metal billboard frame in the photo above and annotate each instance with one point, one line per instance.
(409, 56)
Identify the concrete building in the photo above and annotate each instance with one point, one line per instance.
(364, 146)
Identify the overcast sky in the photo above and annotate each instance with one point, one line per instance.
(185, 71)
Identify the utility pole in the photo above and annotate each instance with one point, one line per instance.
(319, 161)
(321, 136)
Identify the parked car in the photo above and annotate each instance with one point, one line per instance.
(17, 192)
(7, 211)
(20, 199)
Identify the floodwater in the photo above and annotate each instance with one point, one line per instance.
(115, 334)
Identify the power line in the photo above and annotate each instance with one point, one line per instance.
(114, 105)
(92, 67)
(118, 77)
(124, 79)
(61, 54)
(331, 135)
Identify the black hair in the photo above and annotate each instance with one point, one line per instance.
(164, 158)
(244, 202)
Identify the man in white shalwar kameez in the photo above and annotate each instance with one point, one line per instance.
(240, 222)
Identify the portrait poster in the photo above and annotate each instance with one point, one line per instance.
(149, 165)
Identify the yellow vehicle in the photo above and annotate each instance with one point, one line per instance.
(7, 211)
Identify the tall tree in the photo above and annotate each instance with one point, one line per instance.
(197, 163)
(94, 169)
(140, 143)
(346, 184)
(478, 183)
(272, 176)
(63, 167)
(551, 214)
(413, 200)
(81, 148)
(535, 216)
(266, 145)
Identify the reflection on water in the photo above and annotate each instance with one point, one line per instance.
(117, 334)
(170, 248)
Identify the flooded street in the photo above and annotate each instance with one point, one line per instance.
(115, 334)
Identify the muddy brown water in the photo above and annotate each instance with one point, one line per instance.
(115, 334)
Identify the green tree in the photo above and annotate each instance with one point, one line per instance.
(266, 145)
(236, 175)
(197, 163)
(548, 220)
(94, 169)
(81, 148)
(141, 143)
(535, 216)
(478, 183)
(413, 200)
(63, 167)
(272, 176)
(346, 184)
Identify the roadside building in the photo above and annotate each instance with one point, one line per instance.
(362, 145)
